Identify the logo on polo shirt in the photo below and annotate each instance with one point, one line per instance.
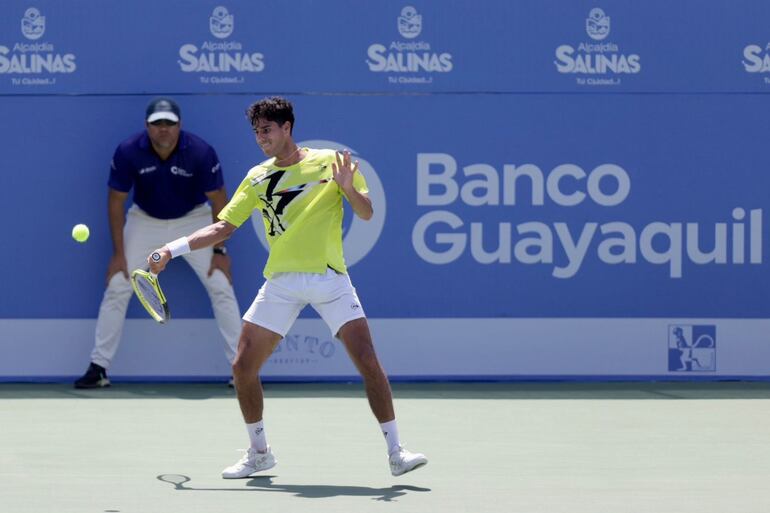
(361, 236)
(178, 171)
(144, 170)
(34, 63)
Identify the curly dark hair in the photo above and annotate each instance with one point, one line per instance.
(274, 108)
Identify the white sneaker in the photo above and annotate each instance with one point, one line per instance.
(403, 461)
(251, 462)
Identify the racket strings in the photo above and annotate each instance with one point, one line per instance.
(150, 295)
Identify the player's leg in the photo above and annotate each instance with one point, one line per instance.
(141, 234)
(357, 340)
(334, 298)
(336, 301)
(255, 346)
(266, 322)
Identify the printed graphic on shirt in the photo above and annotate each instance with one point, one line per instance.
(277, 195)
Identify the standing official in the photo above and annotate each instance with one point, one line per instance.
(173, 174)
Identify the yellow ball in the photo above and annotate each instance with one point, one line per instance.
(80, 232)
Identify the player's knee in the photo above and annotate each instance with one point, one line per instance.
(243, 362)
(240, 368)
(244, 374)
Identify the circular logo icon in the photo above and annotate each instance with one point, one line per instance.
(32, 24)
(221, 22)
(362, 235)
(409, 23)
(597, 24)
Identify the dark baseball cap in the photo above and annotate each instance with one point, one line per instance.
(163, 108)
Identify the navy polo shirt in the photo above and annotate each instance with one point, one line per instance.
(166, 189)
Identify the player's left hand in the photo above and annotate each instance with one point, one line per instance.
(221, 262)
(343, 170)
(158, 259)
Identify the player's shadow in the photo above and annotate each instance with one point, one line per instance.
(265, 484)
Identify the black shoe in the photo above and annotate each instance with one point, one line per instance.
(95, 377)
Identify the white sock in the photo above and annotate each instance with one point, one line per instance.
(257, 436)
(390, 430)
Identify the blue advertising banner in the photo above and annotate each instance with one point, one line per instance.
(539, 205)
(174, 46)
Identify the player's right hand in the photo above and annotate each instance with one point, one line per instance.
(158, 259)
(117, 265)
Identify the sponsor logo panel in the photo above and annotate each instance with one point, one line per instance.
(446, 189)
(222, 60)
(692, 348)
(35, 61)
(599, 61)
(410, 59)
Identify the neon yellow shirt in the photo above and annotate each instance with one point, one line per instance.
(302, 211)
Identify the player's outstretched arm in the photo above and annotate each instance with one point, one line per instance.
(205, 237)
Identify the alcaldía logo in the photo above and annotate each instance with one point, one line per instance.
(408, 61)
(221, 22)
(224, 61)
(597, 24)
(34, 63)
(361, 236)
(409, 23)
(33, 24)
(596, 63)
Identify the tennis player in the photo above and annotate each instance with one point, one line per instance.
(300, 192)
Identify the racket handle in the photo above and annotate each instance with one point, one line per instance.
(155, 257)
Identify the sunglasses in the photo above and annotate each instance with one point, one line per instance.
(164, 122)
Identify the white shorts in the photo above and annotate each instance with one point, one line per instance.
(283, 296)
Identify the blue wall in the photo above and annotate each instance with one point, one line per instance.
(659, 128)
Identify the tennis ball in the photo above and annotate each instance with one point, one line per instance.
(80, 232)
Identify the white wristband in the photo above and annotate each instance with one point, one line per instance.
(178, 247)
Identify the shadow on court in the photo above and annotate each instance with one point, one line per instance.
(440, 390)
(265, 484)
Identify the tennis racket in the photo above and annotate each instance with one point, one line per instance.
(151, 296)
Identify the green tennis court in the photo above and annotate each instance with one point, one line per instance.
(526, 448)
